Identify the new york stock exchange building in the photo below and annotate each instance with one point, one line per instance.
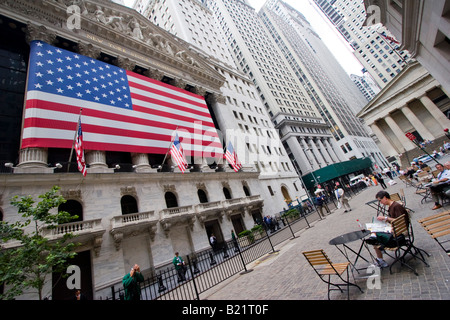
(96, 62)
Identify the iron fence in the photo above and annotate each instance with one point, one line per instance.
(208, 268)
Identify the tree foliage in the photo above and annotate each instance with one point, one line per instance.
(27, 257)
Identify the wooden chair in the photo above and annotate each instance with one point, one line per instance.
(438, 227)
(404, 243)
(325, 269)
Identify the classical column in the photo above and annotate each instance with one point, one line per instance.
(398, 132)
(324, 152)
(308, 151)
(435, 112)
(316, 152)
(417, 124)
(34, 160)
(300, 156)
(141, 163)
(97, 161)
(385, 144)
(331, 151)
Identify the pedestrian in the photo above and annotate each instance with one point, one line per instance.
(131, 283)
(213, 241)
(342, 198)
(78, 295)
(320, 204)
(180, 266)
(380, 179)
(235, 242)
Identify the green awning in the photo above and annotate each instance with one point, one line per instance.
(336, 170)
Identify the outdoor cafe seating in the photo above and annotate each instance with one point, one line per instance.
(324, 268)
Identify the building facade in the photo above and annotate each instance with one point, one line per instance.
(422, 28)
(381, 58)
(131, 210)
(329, 87)
(414, 103)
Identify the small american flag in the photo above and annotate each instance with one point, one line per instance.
(232, 158)
(79, 149)
(176, 151)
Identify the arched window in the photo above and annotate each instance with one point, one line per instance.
(226, 193)
(73, 207)
(202, 197)
(246, 191)
(128, 204)
(171, 200)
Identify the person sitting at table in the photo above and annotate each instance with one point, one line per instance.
(384, 239)
(440, 184)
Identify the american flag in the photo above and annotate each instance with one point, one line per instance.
(389, 38)
(232, 158)
(122, 110)
(176, 151)
(79, 149)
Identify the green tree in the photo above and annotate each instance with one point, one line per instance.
(27, 258)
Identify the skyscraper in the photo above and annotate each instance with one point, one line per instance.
(328, 85)
(381, 58)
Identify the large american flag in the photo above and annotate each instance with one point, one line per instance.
(176, 151)
(122, 111)
(232, 158)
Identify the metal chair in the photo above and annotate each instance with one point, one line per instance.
(324, 267)
(404, 243)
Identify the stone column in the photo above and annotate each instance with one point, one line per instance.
(312, 160)
(300, 156)
(97, 162)
(398, 132)
(417, 124)
(34, 160)
(316, 152)
(324, 152)
(435, 112)
(389, 149)
(331, 151)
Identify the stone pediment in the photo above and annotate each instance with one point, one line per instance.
(119, 31)
(405, 82)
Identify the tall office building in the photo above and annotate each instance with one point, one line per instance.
(328, 85)
(381, 58)
(303, 131)
(366, 85)
(240, 115)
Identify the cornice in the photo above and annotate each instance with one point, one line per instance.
(121, 32)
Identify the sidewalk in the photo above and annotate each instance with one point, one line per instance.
(286, 275)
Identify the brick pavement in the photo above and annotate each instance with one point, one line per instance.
(286, 275)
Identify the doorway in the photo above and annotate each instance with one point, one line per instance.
(60, 281)
(213, 227)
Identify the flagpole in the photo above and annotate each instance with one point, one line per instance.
(73, 142)
(168, 149)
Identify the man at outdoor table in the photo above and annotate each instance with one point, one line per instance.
(383, 239)
(440, 184)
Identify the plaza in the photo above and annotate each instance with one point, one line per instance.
(287, 275)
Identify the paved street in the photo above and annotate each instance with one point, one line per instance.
(286, 275)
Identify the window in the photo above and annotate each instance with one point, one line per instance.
(202, 197)
(74, 208)
(226, 193)
(128, 204)
(171, 200)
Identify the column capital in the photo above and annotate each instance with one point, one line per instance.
(39, 32)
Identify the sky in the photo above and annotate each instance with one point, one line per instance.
(334, 41)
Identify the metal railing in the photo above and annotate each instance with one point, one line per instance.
(208, 268)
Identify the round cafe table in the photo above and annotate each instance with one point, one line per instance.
(344, 239)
